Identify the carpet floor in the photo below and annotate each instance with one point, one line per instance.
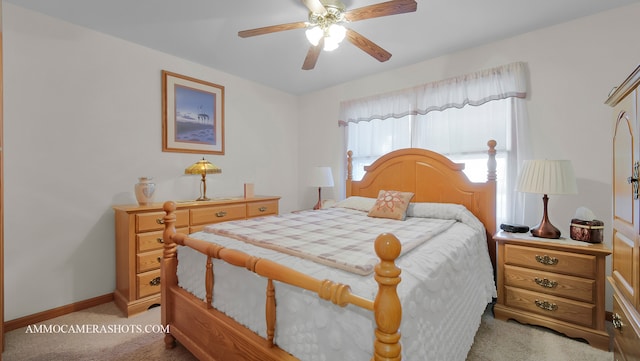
(138, 338)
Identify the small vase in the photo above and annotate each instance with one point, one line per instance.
(145, 190)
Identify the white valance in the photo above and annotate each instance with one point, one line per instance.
(475, 89)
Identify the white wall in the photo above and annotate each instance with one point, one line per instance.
(82, 121)
(572, 67)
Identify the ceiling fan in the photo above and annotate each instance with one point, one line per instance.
(325, 28)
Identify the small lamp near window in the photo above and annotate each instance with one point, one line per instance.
(321, 177)
(203, 167)
(547, 177)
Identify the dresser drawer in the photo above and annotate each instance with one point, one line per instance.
(578, 288)
(625, 337)
(148, 283)
(151, 221)
(576, 264)
(148, 261)
(262, 208)
(579, 313)
(208, 215)
(150, 241)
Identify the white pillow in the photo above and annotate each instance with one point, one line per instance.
(356, 202)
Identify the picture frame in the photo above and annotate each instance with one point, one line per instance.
(192, 115)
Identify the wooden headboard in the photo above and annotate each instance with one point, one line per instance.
(432, 177)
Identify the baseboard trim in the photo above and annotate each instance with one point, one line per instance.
(55, 312)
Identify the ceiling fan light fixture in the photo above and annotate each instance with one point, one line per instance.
(337, 32)
(314, 34)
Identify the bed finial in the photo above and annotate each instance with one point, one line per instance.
(350, 165)
(491, 163)
(387, 307)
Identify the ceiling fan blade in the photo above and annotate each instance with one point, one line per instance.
(382, 9)
(367, 46)
(312, 56)
(271, 29)
(315, 6)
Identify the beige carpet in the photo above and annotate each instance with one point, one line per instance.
(496, 340)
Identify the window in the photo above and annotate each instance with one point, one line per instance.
(458, 129)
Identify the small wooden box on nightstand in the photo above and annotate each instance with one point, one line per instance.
(559, 284)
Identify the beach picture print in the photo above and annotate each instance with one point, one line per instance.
(193, 112)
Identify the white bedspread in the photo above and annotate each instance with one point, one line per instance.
(446, 285)
(338, 237)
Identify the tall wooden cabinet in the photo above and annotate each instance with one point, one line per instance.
(139, 242)
(625, 275)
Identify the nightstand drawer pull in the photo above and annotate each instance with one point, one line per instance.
(546, 305)
(617, 322)
(545, 282)
(221, 214)
(262, 209)
(547, 260)
(159, 259)
(159, 220)
(160, 240)
(155, 281)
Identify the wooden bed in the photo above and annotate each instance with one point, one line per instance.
(211, 335)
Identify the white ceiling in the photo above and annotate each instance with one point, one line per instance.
(205, 31)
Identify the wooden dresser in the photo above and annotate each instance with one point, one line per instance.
(625, 275)
(139, 241)
(553, 284)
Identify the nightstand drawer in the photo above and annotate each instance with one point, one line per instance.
(224, 213)
(575, 312)
(148, 283)
(581, 289)
(262, 208)
(576, 264)
(148, 261)
(152, 221)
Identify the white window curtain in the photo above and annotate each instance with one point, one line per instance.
(455, 117)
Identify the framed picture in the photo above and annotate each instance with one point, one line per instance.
(192, 115)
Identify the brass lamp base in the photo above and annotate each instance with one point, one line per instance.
(545, 229)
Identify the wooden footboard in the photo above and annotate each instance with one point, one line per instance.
(211, 335)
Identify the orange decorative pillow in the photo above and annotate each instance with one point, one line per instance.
(391, 204)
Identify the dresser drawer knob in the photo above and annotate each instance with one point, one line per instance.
(159, 259)
(160, 240)
(545, 305)
(159, 220)
(262, 209)
(547, 260)
(617, 322)
(221, 214)
(155, 281)
(546, 282)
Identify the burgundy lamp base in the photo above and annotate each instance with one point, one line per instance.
(545, 229)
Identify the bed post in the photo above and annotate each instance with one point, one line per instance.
(349, 173)
(491, 163)
(386, 307)
(169, 269)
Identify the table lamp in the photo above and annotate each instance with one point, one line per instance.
(321, 177)
(202, 167)
(547, 177)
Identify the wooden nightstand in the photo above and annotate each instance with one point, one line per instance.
(559, 284)
(139, 241)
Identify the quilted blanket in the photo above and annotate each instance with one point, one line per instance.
(337, 237)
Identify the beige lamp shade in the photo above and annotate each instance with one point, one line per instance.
(547, 177)
(202, 167)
